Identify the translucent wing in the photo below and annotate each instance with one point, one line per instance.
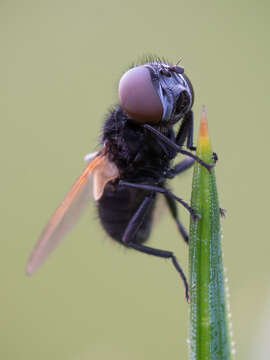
(69, 211)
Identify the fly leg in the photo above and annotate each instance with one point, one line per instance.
(185, 131)
(131, 230)
(176, 147)
(180, 167)
(163, 254)
(174, 212)
(162, 190)
(177, 169)
(137, 219)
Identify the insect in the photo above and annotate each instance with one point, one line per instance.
(134, 161)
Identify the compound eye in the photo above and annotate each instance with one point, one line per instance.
(138, 97)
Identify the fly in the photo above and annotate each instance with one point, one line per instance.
(133, 164)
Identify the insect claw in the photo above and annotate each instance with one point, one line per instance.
(222, 213)
(214, 157)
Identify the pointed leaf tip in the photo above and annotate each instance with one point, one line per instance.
(203, 123)
(203, 134)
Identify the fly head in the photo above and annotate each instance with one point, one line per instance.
(156, 92)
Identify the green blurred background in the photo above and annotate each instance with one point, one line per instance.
(59, 67)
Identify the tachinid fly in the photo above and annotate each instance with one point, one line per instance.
(133, 163)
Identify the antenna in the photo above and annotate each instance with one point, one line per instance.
(180, 59)
(176, 68)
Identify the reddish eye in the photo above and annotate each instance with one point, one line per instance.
(138, 97)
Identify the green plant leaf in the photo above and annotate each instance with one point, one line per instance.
(209, 338)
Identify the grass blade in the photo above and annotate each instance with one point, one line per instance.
(209, 338)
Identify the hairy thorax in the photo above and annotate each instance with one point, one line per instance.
(137, 154)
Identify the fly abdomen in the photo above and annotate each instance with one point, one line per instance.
(116, 209)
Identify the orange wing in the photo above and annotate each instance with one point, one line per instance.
(69, 211)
